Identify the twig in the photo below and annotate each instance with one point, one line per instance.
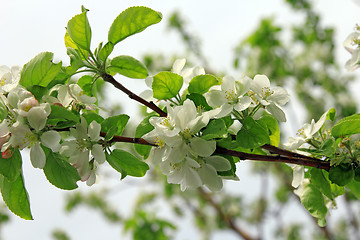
(225, 218)
(108, 78)
(280, 151)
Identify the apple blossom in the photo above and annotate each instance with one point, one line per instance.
(9, 78)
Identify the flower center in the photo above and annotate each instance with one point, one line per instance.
(159, 142)
(3, 80)
(186, 133)
(230, 95)
(266, 91)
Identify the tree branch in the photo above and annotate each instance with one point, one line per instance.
(108, 78)
(225, 218)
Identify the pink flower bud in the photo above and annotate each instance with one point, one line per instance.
(7, 153)
(28, 103)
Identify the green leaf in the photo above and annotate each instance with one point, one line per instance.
(11, 167)
(3, 111)
(313, 201)
(354, 187)
(202, 83)
(131, 21)
(319, 180)
(91, 116)
(252, 134)
(199, 101)
(59, 171)
(37, 91)
(232, 171)
(166, 85)
(341, 174)
(79, 30)
(16, 197)
(143, 128)
(215, 129)
(40, 70)
(76, 54)
(357, 174)
(106, 51)
(271, 124)
(61, 113)
(118, 121)
(86, 83)
(347, 126)
(129, 67)
(121, 160)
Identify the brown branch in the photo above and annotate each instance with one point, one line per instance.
(296, 159)
(277, 158)
(225, 218)
(280, 151)
(108, 78)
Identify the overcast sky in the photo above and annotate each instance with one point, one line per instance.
(30, 27)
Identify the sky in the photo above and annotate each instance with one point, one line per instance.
(30, 27)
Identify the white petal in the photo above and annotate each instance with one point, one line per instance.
(215, 98)
(226, 110)
(277, 112)
(202, 147)
(219, 163)
(244, 103)
(94, 130)
(298, 176)
(191, 179)
(280, 96)
(260, 82)
(37, 117)
(51, 139)
(210, 178)
(92, 179)
(37, 156)
(178, 65)
(98, 153)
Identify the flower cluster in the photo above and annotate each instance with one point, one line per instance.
(25, 124)
(305, 137)
(183, 155)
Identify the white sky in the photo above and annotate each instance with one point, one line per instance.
(30, 27)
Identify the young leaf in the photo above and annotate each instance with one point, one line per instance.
(129, 67)
(11, 167)
(40, 70)
(215, 129)
(143, 128)
(271, 124)
(121, 161)
(313, 201)
(166, 85)
(106, 51)
(341, 174)
(319, 180)
(199, 101)
(354, 187)
(61, 113)
(252, 134)
(202, 83)
(16, 197)
(347, 126)
(131, 21)
(79, 30)
(59, 171)
(118, 121)
(91, 116)
(76, 54)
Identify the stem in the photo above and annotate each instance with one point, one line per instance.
(151, 105)
(117, 138)
(225, 218)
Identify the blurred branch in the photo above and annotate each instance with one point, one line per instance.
(225, 218)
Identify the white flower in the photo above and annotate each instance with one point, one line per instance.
(187, 73)
(305, 133)
(270, 98)
(22, 136)
(70, 94)
(230, 96)
(208, 171)
(85, 143)
(9, 78)
(351, 44)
